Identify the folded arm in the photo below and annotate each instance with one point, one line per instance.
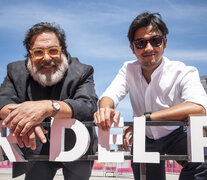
(178, 112)
(24, 116)
(29, 139)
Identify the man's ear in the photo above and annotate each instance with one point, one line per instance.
(132, 48)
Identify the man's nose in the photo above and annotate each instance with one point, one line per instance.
(46, 57)
(148, 46)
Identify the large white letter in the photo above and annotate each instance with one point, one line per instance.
(57, 140)
(10, 147)
(139, 144)
(104, 141)
(196, 141)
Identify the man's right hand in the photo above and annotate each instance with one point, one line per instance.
(127, 138)
(29, 140)
(105, 116)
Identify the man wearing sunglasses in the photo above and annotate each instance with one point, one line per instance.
(159, 89)
(49, 83)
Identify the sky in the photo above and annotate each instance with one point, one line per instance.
(96, 32)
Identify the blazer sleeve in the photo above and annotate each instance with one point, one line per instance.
(8, 93)
(84, 101)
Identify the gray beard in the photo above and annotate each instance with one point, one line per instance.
(50, 78)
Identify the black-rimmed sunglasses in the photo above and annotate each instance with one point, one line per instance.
(155, 41)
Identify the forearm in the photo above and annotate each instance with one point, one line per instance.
(64, 112)
(179, 112)
(43, 107)
(47, 109)
(106, 102)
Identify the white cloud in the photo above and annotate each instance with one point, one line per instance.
(17, 15)
(80, 26)
(187, 55)
(186, 11)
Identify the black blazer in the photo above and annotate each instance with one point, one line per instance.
(76, 89)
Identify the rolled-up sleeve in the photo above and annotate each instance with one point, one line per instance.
(192, 89)
(118, 88)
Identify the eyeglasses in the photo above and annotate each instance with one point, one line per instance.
(39, 53)
(155, 41)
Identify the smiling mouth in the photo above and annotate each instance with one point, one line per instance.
(148, 55)
(48, 66)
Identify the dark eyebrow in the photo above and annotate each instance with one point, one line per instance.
(44, 48)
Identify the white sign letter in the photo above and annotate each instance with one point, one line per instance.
(57, 140)
(10, 147)
(139, 143)
(104, 141)
(196, 141)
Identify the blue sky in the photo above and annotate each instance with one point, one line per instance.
(96, 32)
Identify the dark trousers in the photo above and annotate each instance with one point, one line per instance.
(77, 170)
(173, 144)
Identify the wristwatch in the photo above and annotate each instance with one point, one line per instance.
(56, 107)
(147, 116)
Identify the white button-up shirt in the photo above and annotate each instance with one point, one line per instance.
(171, 83)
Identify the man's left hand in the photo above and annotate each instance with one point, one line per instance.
(25, 116)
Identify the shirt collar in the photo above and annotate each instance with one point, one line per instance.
(157, 71)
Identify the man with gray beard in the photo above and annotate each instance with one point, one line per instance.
(49, 83)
